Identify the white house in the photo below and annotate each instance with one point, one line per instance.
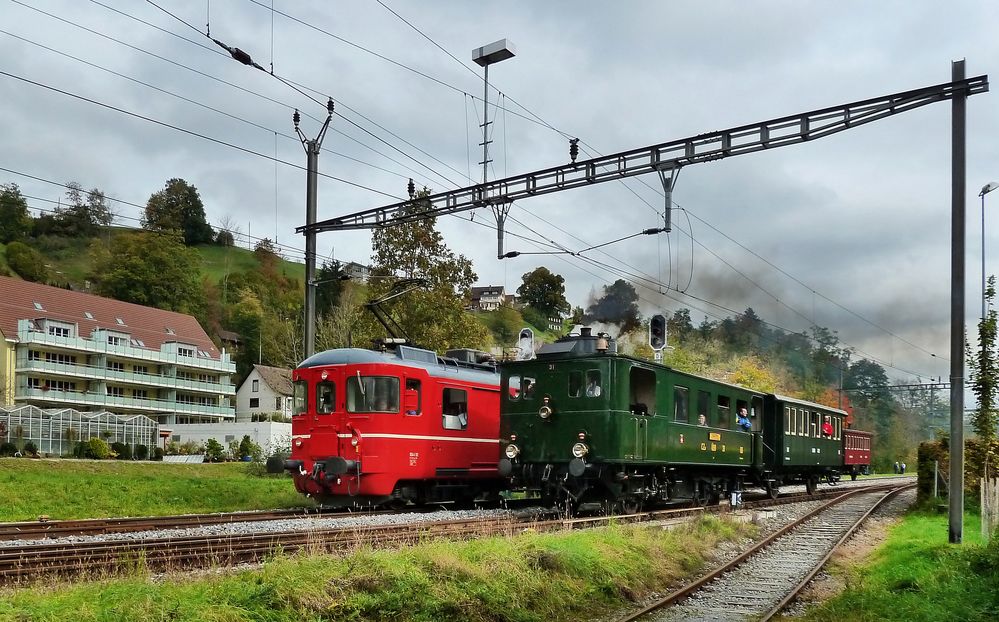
(487, 298)
(266, 391)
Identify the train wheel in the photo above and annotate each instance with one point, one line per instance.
(811, 484)
(630, 505)
(773, 490)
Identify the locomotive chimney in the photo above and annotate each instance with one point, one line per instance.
(585, 331)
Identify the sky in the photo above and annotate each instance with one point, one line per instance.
(850, 232)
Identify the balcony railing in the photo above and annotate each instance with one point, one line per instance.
(27, 336)
(90, 401)
(90, 372)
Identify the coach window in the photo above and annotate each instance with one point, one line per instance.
(816, 427)
(411, 400)
(575, 383)
(787, 421)
(704, 404)
(793, 413)
(680, 401)
(325, 397)
(455, 409)
(372, 394)
(724, 411)
(802, 422)
(513, 388)
(593, 388)
(300, 392)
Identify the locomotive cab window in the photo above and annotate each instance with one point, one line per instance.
(412, 397)
(372, 394)
(642, 384)
(325, 397)
(593, 388)
(575, 383)
(513, 388)
(455, 409)
(528, 388)
(300, 393)
(680, 402)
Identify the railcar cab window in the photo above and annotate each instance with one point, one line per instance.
(681, 401)
(325, 397)
(372, 394)
(412, 399)
(300, 392)
(575, 383)
(593, 388)
(455, 409)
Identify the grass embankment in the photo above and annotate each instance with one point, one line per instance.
(916, 575)
(219, 261)
(528, 577)
(91, 489)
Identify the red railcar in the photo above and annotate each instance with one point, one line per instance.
(856, 452)
(394, 428)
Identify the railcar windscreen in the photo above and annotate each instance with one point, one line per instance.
(372, 394)
(300, 392)
(325, 397)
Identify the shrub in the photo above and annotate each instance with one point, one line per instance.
(248, 448)
(96, 448)
(30, 448)
(141, 452)
(214, 451)
(7, 449)
(27, 262)
(158, 453)
(118, 447)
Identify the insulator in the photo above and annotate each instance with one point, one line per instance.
(411, 187)
(573, 148)
(329, 105)
(296, 117)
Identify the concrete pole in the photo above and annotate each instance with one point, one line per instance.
(312, 152)
(957, 275)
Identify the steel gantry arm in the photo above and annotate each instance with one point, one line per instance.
(665, 158)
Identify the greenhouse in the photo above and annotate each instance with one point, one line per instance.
(56, 431)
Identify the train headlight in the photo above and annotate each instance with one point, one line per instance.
(545, 412)
(580, 449)
(298, 442)
(512, 451)
(354, 441)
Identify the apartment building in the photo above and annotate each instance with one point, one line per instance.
(66, 349)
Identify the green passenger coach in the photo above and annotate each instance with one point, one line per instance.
(584, 426)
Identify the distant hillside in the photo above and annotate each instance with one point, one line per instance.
(68, 260)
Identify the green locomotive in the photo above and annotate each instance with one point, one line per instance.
(584, 426)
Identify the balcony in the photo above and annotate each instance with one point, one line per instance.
(131, 378)
(96, 401)
(160, 357)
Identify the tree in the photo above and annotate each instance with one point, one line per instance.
(178, 207)
(151, 269)
(680, 326)
(544, 291)
(86, 211)
(618, 306)
(15, 221)
(433, 315)
(331, 279)
(27, 262)
(214, 451)
(985, 373)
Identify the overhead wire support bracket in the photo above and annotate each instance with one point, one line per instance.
(668, 175)
(707, 147)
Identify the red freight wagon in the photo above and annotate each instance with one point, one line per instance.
(394, 428)
(856, 452)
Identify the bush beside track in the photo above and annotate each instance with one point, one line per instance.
(64, 489)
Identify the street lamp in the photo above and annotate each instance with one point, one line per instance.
(987, 188)
(483, 57)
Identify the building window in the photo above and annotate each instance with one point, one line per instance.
(255, 386)
(140, 394)
(116, 391)
(254, 402)
(88, 315)
(185, 352)
(59, 331)
(140, 369)
(117, 340)
(277, 403)
(38, 307)
(116, 366)
(34, 355)
(120, 321)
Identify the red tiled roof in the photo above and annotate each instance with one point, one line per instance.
(18, 298)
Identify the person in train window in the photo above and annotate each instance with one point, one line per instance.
(827, 429)
(743, 421)
(593, 388)
(702, 420)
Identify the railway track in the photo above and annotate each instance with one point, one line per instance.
(44, 528)
(99, 558)
(762, 581)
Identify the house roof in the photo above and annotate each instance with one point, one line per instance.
(277, 378)
(491, 290)
(24, 300)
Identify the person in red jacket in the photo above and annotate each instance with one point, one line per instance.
(827, 429)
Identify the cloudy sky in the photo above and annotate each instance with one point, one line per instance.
(851, 232)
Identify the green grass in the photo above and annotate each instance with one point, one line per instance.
(526, 578)
(916, 575)
(216, 260)
(96, 489)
